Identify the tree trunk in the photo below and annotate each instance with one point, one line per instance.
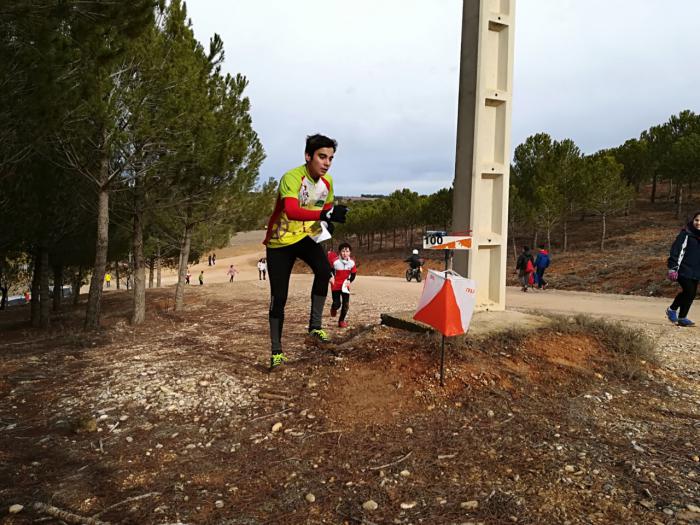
(515, 248)
(36, 279)
(679, 200)
(57, 286)
(92, 316)
(3, 286)
(534, 239)
(77, 283)
(549, 239)
(182, 268)
(602, 238)
(653, 189)
(411, 236)
(566, 236)
(394, 239)
(151, 270)
(138, 316)
(44, 301)
(116, 273)
(381, 240)
(158, 262)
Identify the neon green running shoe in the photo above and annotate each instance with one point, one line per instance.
(319, 335)
(277, 359)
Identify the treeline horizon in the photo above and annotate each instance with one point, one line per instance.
(551, 183)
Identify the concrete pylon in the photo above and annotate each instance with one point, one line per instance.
(482, 165)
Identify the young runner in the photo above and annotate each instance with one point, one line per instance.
(344, 272)
(232, 272)
(684, 268)
(525, 267)
(302, 217)
(262, 269)
(541, 264)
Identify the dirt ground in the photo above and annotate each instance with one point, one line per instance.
(179, 421)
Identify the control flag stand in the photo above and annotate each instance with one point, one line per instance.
(448, 299)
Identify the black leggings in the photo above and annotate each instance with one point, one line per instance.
(686, 296)
(280, 262)
(339, 296)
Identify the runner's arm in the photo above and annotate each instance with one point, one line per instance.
(677, 251)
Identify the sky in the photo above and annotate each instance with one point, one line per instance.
(382, 77)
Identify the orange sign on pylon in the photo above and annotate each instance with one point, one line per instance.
(447, 302)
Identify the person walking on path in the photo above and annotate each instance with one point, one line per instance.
(231, 273)
(541, 264)
(209, 259)
(108, 279)
(201, 278)
(262, 269)
(188, 276)
(344, 272)
(684, 268)
(303, 217)
(525, 266)
(213, 259)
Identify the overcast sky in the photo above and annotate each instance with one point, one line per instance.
(381, 77)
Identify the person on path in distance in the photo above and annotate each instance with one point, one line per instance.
(188, 276)
(344, 272)
(262, 269)
(304, 214)
(231, 273)
(201, 278)
(213, 259)
(108, 279)
(413, 260)
(541, 264)
(684, 268)
(210, 259)
(525, 266)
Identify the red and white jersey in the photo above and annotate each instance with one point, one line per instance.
(342, 269)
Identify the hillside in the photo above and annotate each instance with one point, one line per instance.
(633, 261)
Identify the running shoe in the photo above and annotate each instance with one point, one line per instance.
(684, 321)
(334, 312)
(343, 324)
(319, 335)
(277, 359)
(672, 315)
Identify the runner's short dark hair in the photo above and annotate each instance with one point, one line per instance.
(344, 245)
(318, 141)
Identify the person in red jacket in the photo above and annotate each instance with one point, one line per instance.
(344, 272)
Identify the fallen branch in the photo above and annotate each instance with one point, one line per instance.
(127, 500)
(393, 462)
(66, 516)
(269, 415)
(274, 397)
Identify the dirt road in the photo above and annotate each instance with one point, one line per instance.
(394, 293)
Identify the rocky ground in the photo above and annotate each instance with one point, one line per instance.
(179, 421)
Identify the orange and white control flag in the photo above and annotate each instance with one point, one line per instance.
(447, 302)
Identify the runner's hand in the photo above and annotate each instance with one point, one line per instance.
(335, 214)
(672, 275)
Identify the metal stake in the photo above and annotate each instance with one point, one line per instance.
(448, 266)
(442, 363)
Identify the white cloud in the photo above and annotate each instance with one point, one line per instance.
(381, 76)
